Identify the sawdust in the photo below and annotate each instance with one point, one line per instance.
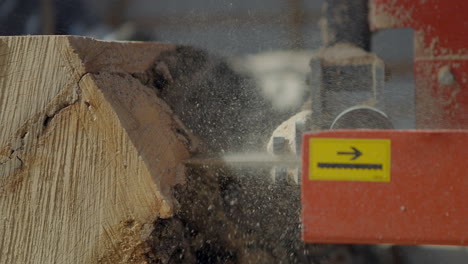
(129, 248)
(226, 216)
(382, 16)
(436, 102)
(428, 109)
(212, 100)
(344, 54)
(279, 75)
(392, 14)
(434, 50)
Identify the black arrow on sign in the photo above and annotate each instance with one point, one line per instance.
(356, 154)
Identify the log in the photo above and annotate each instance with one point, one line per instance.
(88, 153)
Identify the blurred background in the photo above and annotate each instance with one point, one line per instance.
(239, 29)
(218, 25)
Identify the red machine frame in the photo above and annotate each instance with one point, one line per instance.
(440, 48)
(425, 201)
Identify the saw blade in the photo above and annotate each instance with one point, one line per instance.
(262, 160)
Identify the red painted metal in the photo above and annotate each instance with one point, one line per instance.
(425, 201)
(441, 42)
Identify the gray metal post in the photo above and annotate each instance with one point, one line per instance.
(346, 22)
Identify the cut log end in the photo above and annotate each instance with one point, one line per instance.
(88, 154)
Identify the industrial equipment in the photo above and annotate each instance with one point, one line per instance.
(388, 186)
(363, 182)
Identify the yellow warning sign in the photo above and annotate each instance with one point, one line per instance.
(349, 159)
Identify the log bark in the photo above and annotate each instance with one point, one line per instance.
(88, 154)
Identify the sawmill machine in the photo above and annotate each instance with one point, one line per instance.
(362, 181)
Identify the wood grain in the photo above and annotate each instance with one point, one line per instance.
(88, 155)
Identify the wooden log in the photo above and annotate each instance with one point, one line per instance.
(88, 154)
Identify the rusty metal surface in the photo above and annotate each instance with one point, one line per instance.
(441, 56)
